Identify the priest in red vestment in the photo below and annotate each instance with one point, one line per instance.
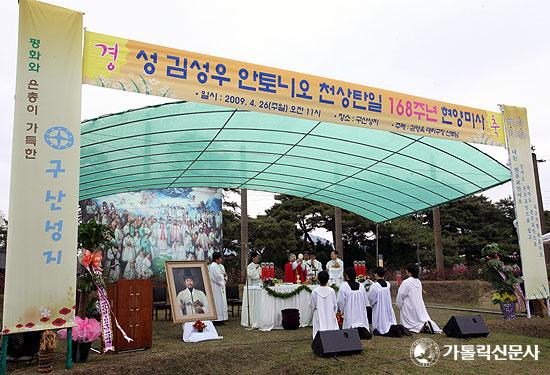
(290, 269)
(294, 270)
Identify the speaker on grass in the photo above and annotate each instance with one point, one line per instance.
(466, 326)
(337, 342)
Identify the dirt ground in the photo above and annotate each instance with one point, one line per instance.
(289, 352)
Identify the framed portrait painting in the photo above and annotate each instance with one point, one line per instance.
(190, 292)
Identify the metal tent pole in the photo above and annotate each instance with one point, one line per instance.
(377, 261)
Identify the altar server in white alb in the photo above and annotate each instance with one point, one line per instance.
(335, 269)
(414, 315)
(383, 316)
(218, 279)
(352, 302)
(323, 303)
(253, 271)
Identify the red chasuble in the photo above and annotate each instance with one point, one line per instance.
(289, 274)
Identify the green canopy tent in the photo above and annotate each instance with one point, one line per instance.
(376, 174)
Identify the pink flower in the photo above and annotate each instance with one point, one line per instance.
(85, 330)
(92, 330)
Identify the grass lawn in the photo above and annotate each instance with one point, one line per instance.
(289, 352)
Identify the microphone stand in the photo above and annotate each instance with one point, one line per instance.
(249, 327)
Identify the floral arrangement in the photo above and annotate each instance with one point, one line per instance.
(361, 278)
(85, 330)
(271, 282)
(199, 325)
(503, 298)
(504, 276)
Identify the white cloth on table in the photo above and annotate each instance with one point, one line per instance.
(190, 333)
(353, 304)
(382, 311)
(411, 304)
(335, 270)
(253, 274)
(217, 277)
(265, 310)
(323, 302)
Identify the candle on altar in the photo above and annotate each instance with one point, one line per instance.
(271, 270)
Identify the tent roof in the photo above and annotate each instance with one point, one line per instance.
(376, 174)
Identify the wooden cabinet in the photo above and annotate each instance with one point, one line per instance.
(132, 303)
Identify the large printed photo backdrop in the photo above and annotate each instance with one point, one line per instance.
(153, 226)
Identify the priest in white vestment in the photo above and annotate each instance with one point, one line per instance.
(414, 315)
(383, 316)
(218, 278)
(353, 301)
(335, 269)
(253, 271)
(313, 266)
(323, 303)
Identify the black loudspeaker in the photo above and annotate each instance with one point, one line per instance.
(466, 326)
(337, 342)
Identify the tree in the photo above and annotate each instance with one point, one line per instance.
(273, 238)
(398, 241)
(467, 226)
(93, 236)
(471, 223)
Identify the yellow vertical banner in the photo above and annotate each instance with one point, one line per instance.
(41, 253)
(525, 202)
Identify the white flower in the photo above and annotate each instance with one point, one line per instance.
(44, 312)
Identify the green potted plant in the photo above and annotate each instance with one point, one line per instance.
(504, 276)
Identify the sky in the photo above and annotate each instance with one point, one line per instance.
(474, 53)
